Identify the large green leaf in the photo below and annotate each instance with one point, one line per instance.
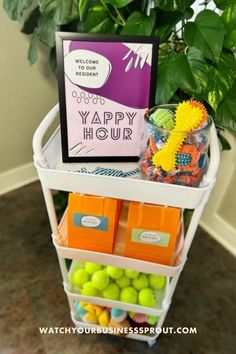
(118, 3)
(52, 59)
(83, 8)
(188, 13)
(206, 33)
(190, 71)
(15, 8)
(225, 145)
(46, 29)
(185, 71)
(31, 21)
(165, 23)
(163, 32)
(139, 24)
(95, 17)
(33, 49)
(229, 18)
(47, 5)
(98, 21)
(166, 86)
(173, 5)
(104, 27)
(67, 11)
(221, 4)
(221, 78)
(226, 112)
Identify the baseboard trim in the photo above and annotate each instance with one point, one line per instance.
(17, 177)
(217, 227)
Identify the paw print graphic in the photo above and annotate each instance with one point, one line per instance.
(87, 98)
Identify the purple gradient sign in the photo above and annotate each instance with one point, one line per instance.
(105, 85)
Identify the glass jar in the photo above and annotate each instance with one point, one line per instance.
(191, 159)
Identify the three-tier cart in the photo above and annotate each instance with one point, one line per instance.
(54, 175)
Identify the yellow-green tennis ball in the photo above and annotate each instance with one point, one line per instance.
(88, 289)
(79, 277)
(123, 282)
(114, 272)
(129, 295)
(91, 267)
(140, 282)
(100, 279)
(112, 292)
(152, 320)
(157, 281)
(81, 264)
(146, 297)
(131, 273)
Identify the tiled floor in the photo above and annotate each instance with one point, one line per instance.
(31, 293)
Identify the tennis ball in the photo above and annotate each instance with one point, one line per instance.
(146, 297)
(129, 295)
(79, 277)
(114, 272)
(88, 289)
(123, 282)
(112, 292)
(91, 267)
(152, 320)
(157, 281)
(140, 282)
(131, 273)
(100, 279)
(80, 264)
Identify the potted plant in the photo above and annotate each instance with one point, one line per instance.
(196, 57)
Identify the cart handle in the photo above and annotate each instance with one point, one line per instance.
(209, 177)
(39, 134)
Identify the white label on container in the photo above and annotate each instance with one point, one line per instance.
(150, 237)
(90, 221)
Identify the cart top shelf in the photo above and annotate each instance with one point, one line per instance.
(65, 176)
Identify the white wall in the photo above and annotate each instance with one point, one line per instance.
(26, 94)
(219, 217)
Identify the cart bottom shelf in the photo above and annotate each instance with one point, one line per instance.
(106, 330)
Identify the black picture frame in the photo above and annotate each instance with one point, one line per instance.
(60, 37)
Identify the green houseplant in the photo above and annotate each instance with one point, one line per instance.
(196, 56)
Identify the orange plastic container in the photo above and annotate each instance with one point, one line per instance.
(92, 222)
(153, 233)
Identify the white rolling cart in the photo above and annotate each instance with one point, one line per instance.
(54, 175)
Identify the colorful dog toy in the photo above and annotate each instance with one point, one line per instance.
(112, 172)
(104, 318)
(187, 157)
(118, 315)
(120, 326)
(138, 317)
(189, 116)
(93, 314)
(163, 118)
(152, 144)
(79, 310)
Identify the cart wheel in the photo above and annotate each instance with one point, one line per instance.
(151, 343)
